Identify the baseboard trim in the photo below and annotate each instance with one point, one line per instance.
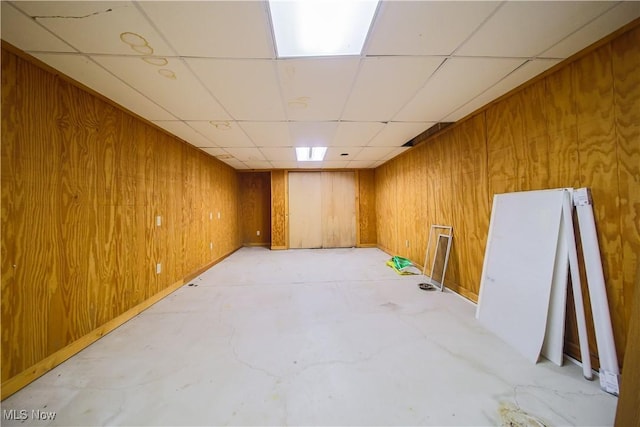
(279, 248)
(29, 375)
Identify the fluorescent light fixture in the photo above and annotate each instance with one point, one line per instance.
(321, 28)
(310, 154)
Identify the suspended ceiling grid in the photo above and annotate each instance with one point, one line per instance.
(207, 71)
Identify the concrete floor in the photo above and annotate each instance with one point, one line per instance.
(309, 337)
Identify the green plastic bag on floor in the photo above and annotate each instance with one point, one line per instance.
(402, 265)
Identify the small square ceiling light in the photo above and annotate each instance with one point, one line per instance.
(321, 28)
(310, 154)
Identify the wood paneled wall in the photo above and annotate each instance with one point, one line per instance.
(255, 208)
(82, 185)
(279, 209)
(577, 127)
(366, 208)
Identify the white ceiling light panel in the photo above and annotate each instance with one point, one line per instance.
(321, 27)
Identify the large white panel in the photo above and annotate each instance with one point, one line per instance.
(616, 17)
(425, 27)
(395, 134)
(97, 26)
(248, 89)
(452, 87)
(516, 280)
(90, 74)
(385, 84)
(224, 133)
(356, 134)
(223, 29)
(183, 131)
(527, 28)
(172, 86)
(268, 134)
(312, 134)
(24, 33)
(513, 80)
(316, 89)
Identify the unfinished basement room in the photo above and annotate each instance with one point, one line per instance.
(320, 213)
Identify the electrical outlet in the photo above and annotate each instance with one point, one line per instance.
(407, 243)
(158, 268)
(158, 220)
(258, 233)
(218, 215)
(211, 245)
(210, 215)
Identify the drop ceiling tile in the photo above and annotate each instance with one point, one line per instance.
(416, 27)
(335, 153)
(527, 28)
(268, 134)
(614, 18)
(335, 164)
(99, 26)
(279, 154)
(224, 133)
(310, 165)
(385, 84)
(373, 153)
(246, 154)
(223, 29)
(395, 152)
(284, 165)
(356, 134)
(92, 75)
(24, 33)
(258, 165)
(361, 164)
(214, 151)
(452, 87)
(312, 134)
(395, 134)
(185, 132)
(172, 86)
(236, 164)
(513, 80)
(248, 89)
(316, 89)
